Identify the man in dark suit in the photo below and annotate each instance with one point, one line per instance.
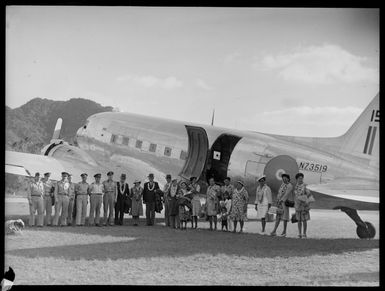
(149, 198)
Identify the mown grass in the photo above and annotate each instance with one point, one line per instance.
(156, 255)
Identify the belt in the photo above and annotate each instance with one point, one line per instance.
(37, 195)
(96, 193)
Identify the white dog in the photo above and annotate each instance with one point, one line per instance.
(14, 226)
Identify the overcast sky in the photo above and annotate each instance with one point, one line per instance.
(305, 72)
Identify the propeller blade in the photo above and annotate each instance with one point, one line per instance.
(56, 133)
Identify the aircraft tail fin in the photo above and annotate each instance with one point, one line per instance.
(362, 138)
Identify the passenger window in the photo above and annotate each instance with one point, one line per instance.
(113, 138)
(167, 151)
(125, 140)
(183, 155)
(152, 147)
(139, 144)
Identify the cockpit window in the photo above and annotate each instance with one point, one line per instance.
(86, 123)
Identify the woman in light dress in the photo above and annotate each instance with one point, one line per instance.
(301, 205)
(136, 195)
(263, 201)
(285, 190)
(196, 202)
(212, 203)
(239, 205)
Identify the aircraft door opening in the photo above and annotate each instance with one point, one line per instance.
(218, 161)
(198, 146)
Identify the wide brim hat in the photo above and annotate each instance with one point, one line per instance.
(97, 175)
(241, 182)
(150, 175)
(261, 177)
(83, 174)
(137, 181)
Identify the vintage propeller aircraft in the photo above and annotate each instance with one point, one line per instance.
(342, 172)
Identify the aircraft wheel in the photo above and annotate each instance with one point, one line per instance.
(366, 232)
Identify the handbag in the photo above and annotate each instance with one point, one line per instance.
(289, 203)
(272, 210)
(127, 204)
(269, 217)
(294, 218)
(310, 199)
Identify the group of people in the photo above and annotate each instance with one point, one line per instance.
(181, 201)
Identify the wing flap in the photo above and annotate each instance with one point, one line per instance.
(364, 190)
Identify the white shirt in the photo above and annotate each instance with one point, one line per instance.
(265, 193)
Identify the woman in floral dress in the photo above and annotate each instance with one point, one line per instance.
(212, 202)
(301, 195)
(137, 203)
(239, 204)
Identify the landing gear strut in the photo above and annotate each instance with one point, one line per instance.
(364, 229)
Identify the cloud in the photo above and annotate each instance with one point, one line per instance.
(319, 64)
(304, 121)
(152, 81)
(230, 58)
(202, 84)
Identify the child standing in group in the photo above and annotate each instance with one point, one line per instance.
(228, 209)
(223, 215)
(184, 203)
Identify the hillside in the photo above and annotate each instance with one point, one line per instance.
(30, 126)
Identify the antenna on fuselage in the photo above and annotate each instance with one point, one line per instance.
(212, 118)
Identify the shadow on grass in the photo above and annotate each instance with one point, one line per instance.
(159, 241)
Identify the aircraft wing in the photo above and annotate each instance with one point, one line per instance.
(364, 190)
(26, 164)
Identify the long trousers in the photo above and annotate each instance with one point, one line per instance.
(119, 209)
(95, 206)
(108, 204)
(61, 205)
(150, 213)
(70, 210)
(174, 221)
(81, 208)
(48, 209)
(36, 205)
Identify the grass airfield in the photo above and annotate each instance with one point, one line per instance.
(332, 255)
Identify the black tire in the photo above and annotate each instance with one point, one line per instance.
(368, 232)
